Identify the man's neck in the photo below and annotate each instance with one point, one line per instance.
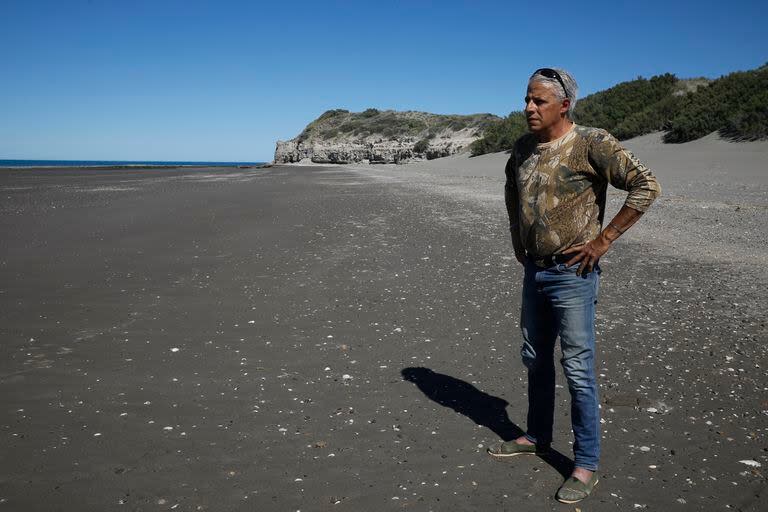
(556, 132)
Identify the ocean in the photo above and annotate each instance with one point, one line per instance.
(118, 163)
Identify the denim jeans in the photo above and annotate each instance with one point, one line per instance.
(558, 302)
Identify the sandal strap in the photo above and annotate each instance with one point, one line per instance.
(576, 485)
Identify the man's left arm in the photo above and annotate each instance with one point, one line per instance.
(619, 167)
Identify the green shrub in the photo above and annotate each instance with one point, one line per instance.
(329, 133)
(736, 105)
(630, 108)
(626, 110)
(332, 113)
(501, 135)
(421, 146)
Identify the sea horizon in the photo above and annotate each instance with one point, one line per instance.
(25, 163)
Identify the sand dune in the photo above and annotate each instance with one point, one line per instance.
(709, 157)
(714, 204)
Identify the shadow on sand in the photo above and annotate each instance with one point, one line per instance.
(486, 410)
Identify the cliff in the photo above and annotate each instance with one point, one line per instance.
(339, 136)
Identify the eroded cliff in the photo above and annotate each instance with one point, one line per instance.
(374, 136)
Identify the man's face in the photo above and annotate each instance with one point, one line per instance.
(542, 108)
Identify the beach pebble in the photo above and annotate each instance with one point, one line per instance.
(750, 462)
(174, 349)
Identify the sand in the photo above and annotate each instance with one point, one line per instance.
(300, 338)
(714, 205)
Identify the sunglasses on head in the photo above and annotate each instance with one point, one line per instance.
(551, 73)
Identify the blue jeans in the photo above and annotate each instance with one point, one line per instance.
(558, 302)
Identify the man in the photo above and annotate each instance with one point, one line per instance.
(557, 179)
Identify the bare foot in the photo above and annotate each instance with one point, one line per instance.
(523, 440)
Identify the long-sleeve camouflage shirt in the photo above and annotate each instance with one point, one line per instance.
(556, 191)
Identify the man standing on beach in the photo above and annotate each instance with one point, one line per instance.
(555, 192)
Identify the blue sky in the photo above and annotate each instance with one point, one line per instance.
(223, 80)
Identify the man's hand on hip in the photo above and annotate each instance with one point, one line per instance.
(588, 254)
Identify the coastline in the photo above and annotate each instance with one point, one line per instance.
(129, 167)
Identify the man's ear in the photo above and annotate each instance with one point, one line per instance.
(565, 105)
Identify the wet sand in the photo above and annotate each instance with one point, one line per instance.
(302, 338)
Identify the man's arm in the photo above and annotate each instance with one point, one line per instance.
(589, 253)
(511, 199)
(622, 170)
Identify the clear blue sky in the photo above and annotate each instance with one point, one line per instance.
(223, 80)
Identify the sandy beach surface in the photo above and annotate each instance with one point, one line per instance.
(327, 338)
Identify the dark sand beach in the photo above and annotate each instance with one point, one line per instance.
(300, 338)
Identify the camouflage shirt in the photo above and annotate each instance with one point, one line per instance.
(556, 191)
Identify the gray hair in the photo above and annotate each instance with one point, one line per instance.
(571, 87)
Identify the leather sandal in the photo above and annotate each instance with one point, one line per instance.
(511, 449)
(574, 490)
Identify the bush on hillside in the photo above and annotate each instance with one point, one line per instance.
(421, 146)
(500, 136)
(391, 125)
(630, 108)
(654, 118)
(736, 105)
(626, 110)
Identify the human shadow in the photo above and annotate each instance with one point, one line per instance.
(486, 410)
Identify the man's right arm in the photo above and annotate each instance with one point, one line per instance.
(511, 198)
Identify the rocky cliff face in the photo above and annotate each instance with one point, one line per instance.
(374, 136)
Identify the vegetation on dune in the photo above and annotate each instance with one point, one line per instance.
(500, 136)
(736, 105)
(421, 146)
(626, 110)
(630, 108)
(391, 124)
